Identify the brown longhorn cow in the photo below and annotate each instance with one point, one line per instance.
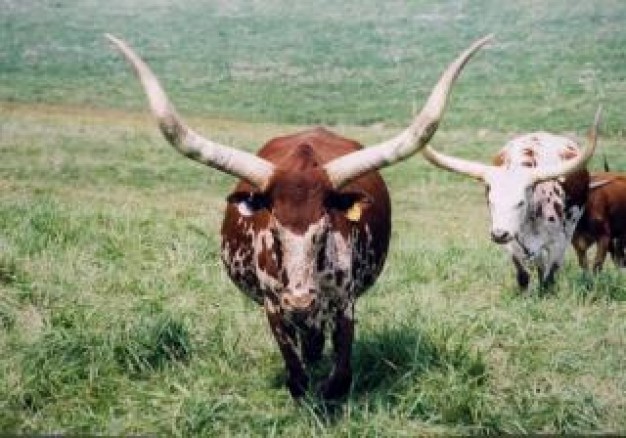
(604, 221)
(306, 230)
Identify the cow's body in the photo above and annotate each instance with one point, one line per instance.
(555, 206)
(604, 221)
(307, 228)
(340, 255)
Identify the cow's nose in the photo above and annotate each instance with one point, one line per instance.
(298, 303)
(500, 236)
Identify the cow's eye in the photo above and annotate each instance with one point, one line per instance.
(519, 205)
(248, 203)
(246, 208)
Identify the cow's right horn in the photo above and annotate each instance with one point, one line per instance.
(577, 162)
(344, 169)
(247, 166)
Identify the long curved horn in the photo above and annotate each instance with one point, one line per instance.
(348, 167)
(465, 167)
(247, 166)
(576, 163)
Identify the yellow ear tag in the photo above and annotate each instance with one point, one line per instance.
(354, 213)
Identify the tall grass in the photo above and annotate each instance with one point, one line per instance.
(117, 317)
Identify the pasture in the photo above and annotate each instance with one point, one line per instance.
(116, 316)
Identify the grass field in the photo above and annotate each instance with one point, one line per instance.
(116, 316)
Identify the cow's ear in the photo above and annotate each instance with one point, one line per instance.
(248, 203)
(350, 204)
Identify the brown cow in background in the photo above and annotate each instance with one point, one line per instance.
(604, 221)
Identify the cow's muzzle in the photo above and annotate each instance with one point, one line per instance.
(501, 236)
(301, 303)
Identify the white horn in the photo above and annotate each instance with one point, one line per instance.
(576, 163)
(247, 166)
(465, 167)
(348, 167)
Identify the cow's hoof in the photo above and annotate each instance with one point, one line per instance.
(335, 387)
(523, 278)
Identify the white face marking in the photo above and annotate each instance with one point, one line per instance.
(509, 199)
(300, 255)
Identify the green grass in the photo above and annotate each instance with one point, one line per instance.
(116, 316)
(349, 63)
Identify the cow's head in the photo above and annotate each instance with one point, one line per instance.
(510, 190)
(302, 214)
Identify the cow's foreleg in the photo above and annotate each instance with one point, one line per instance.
(313, 344)
(581, 245)
(338, 382)
(550, 263)
(285, 335)
(523, 277)
(547, 276)
(600, 228)
(601, 250)
(618, 253)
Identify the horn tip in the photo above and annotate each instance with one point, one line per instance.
(484, 40)
(111, 38)
(489, 37)
(117, 42)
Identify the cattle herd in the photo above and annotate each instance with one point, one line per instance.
(306, 230)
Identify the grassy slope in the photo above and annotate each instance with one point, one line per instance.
(109, 240)
(354, 63)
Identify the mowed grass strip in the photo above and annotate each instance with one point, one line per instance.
(117, 317)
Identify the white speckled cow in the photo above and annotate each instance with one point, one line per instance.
(307, 228)
(536, 191)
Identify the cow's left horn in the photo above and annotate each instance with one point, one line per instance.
(348, 167)
(576, 163)
(247, 166)
(459, 165)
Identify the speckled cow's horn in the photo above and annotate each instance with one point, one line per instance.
(576, 163)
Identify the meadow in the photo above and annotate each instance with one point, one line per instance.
(116, 316)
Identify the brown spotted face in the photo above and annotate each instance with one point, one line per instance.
(300, 239)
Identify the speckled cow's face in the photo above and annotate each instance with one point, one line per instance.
(300, 241)
(509, 196)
